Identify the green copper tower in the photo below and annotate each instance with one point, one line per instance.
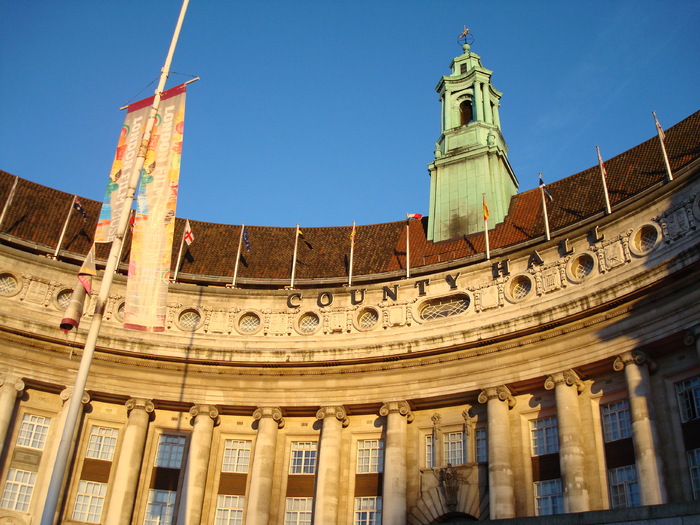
(470, 156)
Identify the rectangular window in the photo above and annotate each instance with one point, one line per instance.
(18, 490)
(482, 451)
(370, 456)
(429, 451)
(170, 450)
(236, 455)
(688, 393)
(548, 497)
(298, 511)
(161, 507)
(624, 490)
(545, 439)
(229, 510)
(303, 458)
(455, 448)
(33, 432)
(694, 466)
(89, 501)
(616, 421)
(368, 511)
(102, 443)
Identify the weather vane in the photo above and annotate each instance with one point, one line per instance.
(465, 37)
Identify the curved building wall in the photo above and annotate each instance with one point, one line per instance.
(558, 376)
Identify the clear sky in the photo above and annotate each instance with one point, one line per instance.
(324, 112)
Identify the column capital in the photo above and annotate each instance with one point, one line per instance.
(337, 412)
(402, 407)
(469, 420)
(567, 377)
(437, 420)
(500, 392)
(634, 356)
(275, 413)
(67, 393)
(208, 410)
(13, 381)
(139, 403)
(691, 335)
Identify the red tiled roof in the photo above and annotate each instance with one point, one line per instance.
(37, 214)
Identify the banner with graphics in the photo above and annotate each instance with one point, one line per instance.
(151, 245)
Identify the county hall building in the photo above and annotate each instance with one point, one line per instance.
(438, 378)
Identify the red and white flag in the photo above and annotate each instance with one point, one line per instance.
(414, 216)
(188, 235)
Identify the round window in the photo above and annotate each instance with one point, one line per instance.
(249, 323)
(444, 307)
(368, 318)
(309, 322)
(645, 238)
(63, 298)
(8, 284)
(120, 311)
(582, 267)
(189, 319)
(520, 287)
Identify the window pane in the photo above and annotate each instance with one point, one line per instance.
(170, 449)
(482, 452)
(429, 451)
(548, 497)
(89, 501)
(368, 511)
(298, 511)
(303, 457)
(236, 455)
(370, 457)
(33, 432)
(102, 443)
(18, 490)
(624, 490)
(545, 439)
(229, 510)
(616, 421)
(688, 392)
(161, 505)
(694, 466)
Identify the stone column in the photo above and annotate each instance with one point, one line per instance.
(501, 487)
(488, 114)
(398, 415)
(205, 416)
(52, 443)
(496, 116)
(126, 477)
(262, 471)
(328, 471)
(11, 388)
(438, 445)
(469, 435)
(567, 386)
(652, 489)
(478, 109)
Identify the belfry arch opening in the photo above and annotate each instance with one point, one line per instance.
(466, 114)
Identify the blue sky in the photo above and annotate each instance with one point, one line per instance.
(323, 113)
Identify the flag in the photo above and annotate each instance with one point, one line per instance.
(246, 240)
(353, 234)
(486, 208)
(74, 310)
(154, 224)
(188, 236)
(414, 216)
(660, 130)
(602, 165)
(545, 190)
(299, 232)
(79, 208)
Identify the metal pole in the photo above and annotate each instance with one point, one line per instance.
(9, 199)
(65, 227)
(408, 252)
(352, 252)
(238, 256)
(546, 218)
(64, 448)
(294, 259)
(179, 254)
(663, 146)
(604, 175)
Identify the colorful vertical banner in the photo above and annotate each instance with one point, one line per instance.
(122, 166)
(154, 223)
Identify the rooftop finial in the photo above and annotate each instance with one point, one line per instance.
(465, 39)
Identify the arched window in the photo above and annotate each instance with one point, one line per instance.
(465, 113)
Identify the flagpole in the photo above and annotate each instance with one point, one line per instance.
(486, 226)
(294, 259)
(179, 255)
(64, 447)
(408, 249)
(121, 248)
(238, 256)
(603, 176)
(9, 199)
(663, 146)
(544, 211)
(65, 227)
(352, 252)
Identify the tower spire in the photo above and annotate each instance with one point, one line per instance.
(470, 154)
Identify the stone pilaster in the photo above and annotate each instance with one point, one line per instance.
(501, 486)
(469, 425)
(262, 470)
(126, 478)
(567, 386)
(204, 418)
(11, 388)
(692, 338)
(652, 489)
(333, 418)
(398, 415)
